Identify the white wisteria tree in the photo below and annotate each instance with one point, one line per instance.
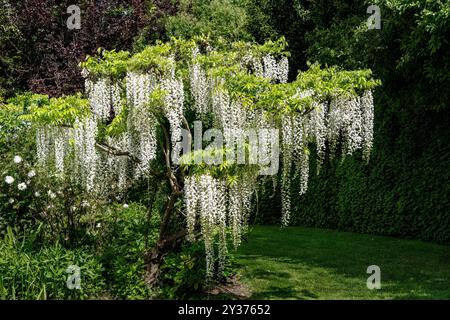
(141, 110)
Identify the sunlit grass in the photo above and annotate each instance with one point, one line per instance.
(302, 263)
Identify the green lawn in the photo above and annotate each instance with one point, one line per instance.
(303, 263)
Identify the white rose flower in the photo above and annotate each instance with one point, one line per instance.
(31, 174)
(17, 159)
(51, 194)
(9, 180)
(125, 206)
(37, 194)
(22, 186)
(11, 201)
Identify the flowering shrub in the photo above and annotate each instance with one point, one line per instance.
(18, 193)
(98, 147)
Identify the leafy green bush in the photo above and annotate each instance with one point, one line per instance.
(42, 274)
(183, 273)
(123, 236)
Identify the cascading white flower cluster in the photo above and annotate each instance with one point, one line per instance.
(174, 108)
(86, 154)
(61, 147)
(43, 145)
(276, 70)
(214, 205)
(232, 117)
(345, 119)
(268, 67)
(141, 121)
(351, 118)
(81, 160)
(104, 98)
(200, 86)
(52, 146)
(367, 109)
(98, 171)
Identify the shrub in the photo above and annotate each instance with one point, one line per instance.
(42, 274)
(183, 272)
(124, 235)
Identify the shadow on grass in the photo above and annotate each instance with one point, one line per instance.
(298, 263)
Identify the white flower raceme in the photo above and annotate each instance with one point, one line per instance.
(276, 70)
(60, 139)
(104, 97)
(200, 86)
(367, 109)
(270, 67)
(53, 146)
(173, 104)
(22, 186)
(42, 146)
(85, 134)
(141, 121)
(283, 70)
(17, 159)
(212, 203)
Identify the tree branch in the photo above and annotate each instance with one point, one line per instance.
(116, 152)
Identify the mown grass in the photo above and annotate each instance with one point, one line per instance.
(304, 263)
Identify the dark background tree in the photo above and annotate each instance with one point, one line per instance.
(43, 55)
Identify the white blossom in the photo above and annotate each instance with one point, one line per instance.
(22, 186)
(104, 98)
(42, 146)
(17, 159)
(9, 180)
(200, 86)
(367, 110)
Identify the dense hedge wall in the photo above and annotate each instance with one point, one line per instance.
(401, 192)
